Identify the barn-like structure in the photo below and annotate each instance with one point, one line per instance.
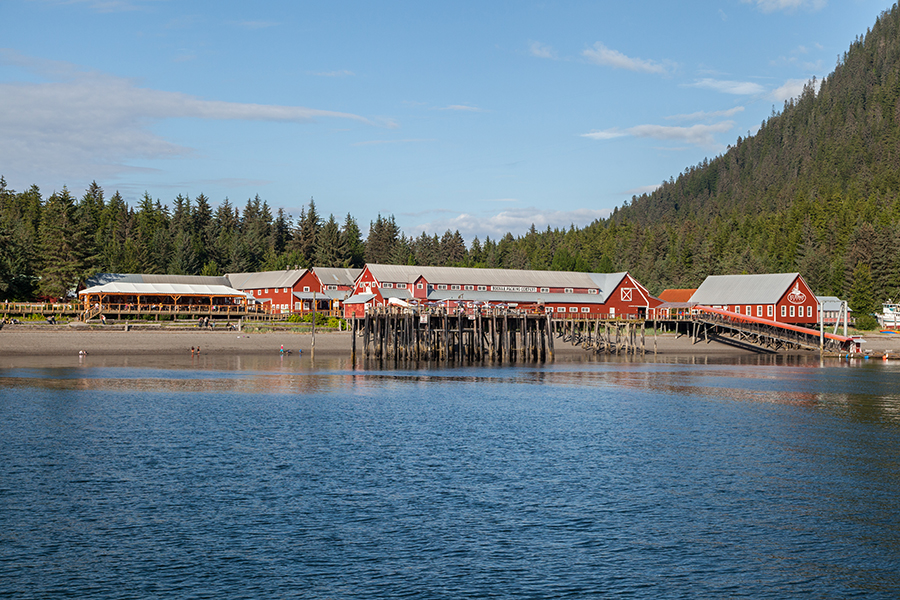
(594, 295)
(781, 297)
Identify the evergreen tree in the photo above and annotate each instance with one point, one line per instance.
(62, 248)
(351, 242)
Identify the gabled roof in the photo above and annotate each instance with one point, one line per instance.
(606, 282)
(265, 279)
(677, 295)
(719, 290)
(335, 276)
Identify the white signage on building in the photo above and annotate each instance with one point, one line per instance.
(512, 288)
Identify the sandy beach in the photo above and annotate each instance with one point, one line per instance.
(62, 340)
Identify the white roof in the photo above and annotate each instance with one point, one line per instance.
(162, 289)
(719, 290)
(337, 276)
(265, 279)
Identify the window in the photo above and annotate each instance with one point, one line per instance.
(454, 287)
(568, 290)
(770, 311)
(305, 288)
(809, 312)
(759, 310)
(593, 292)
(573, 309)
(585, 309)
(545, 290)
(560, 309)
(267, 290)
(549, 309)
(296, 306)
(482, 288)
(748, 311)
(401, 286)
(442, 286)
(783, 310)
(470, 287)
(387, 285)
(420, 286)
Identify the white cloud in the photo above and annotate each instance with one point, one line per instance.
(78, 122)
(644, 189)
(704, 115)
(698, 135)
(404, 141)
(516, 221)
(541, 50)
(461, 107)
(607, 57)
(605, 134)
(792, 88)
(768, 6)
(740, 88)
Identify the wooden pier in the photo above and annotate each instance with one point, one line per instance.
(486, 336)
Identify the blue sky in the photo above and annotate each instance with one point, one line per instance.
(484, 117)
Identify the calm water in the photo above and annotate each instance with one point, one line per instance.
(275, 478)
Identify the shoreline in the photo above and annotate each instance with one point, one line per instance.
(67, 341)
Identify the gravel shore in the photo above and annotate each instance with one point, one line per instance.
(61, 340)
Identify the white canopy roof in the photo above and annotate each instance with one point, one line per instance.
(162, 289)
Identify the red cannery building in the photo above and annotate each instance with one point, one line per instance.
(593, 295)
(275, 289)
(328, 287)
(782, 297)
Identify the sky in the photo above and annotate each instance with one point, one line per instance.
(481, 117)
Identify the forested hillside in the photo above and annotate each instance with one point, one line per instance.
(815, 190)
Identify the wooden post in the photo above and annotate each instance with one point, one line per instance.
(353, 327)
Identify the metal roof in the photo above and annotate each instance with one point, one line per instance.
(516, 278)
(265, 279)
(162, 289)
(103, 278)
(720, 290)
(677, 295)
(514, 297)
(336, 276)
(359, 299)
(831, 303)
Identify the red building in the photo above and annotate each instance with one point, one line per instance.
(782, 297)
(561, 292)
(274, 288)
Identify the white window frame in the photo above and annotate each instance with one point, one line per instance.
(783, 310)
(545, 290)
(770, 310)
(388, 286)
(305, 288)
(420, 286)
(569, 290)
(454, 286)
(561, 309)
(585, 309)
(809, 311)
(482, 288)
(759, 310)
(573, 309)
(442, 286)
(470, 287)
